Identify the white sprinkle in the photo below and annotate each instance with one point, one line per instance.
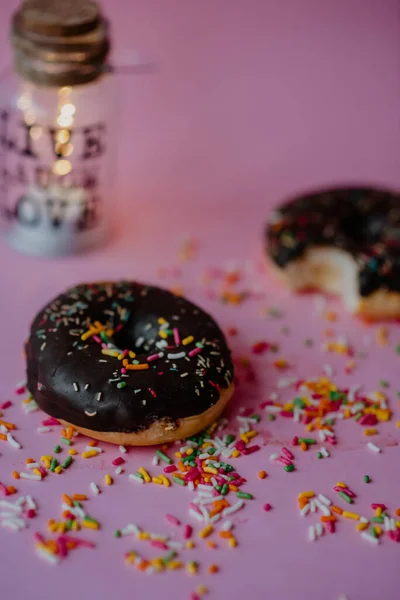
(10, 524)
(91, 414)
(232, 509)
(215, 518)
(32, 476)
(191, 486)
(387, 524)
(324, 499)
(369, 538)
(273, 456)
(76, 386)
(195, 514)
(285, 382)
(311, 533)
(6, 504)
(44, 429)
(318, 529)
(155, 460)
(33, 465)
(324, 452)
(353, 391)
(373, 448)
(118, 470)
(130, 528)
(322, 435)
(43, 346)
(175, 545)
(305, 509)
(324, 509)
(98, 397)
(270, 408)
(273, 396)
(93, 448)
(13, 442)
(95, 489)
(20, 501)
(31, 503)
(184, 374)
(313, 506)
(139, 341)
(176, 355)
(227, 526)
(328, 370)
(50, 557)
(122, 449)
(136, 478)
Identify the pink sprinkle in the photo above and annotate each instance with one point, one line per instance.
(295, 441)
(192, 474)
(125, 353)
(119, 327)
(96, 339)
(287, 453)
(62, 548)
(351, 494)
(187, 532)
(194, 507)
(172, 520)
(375, 506)
(331, 440)
(330, 526)
(30, 513)
(5, 405)
(283, 460)
(286, 413)
(50, 421)
(267, 507)
(194, 352)
(123, 371)
(194, 596)
(170, 469)
(266, 403)
(240, 445)
(4, 490)
(177, 338)
(118, 461)
(159, 544)
(20, 390)
(77, 541)
(39, 538)
(43, 471)
(153, 357)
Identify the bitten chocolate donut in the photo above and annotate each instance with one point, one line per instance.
(128, 363)
(345, 241)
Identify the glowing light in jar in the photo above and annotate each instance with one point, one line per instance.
(62, 167)
(62, 136)
(65, 120)
(68, 109)
(36, 132)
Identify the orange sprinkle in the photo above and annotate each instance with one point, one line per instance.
(69, 433)
(92, 443)
(3, 436)
(15, 474)
(397, 512)
(140, 367)
(225, 534)
(11, 489)
(262, 474)
(281, 363)
(325, 519)
(336, 509)
(213, 569)
(67, 500)
(232, 488)
(303, 446)
(330, 316)
(10, 426)
(181, 466)
(211, 544)
(29, 461)
(382, 336)
(371, 431)
(79, 497)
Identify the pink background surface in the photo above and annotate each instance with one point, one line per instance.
(252, 101)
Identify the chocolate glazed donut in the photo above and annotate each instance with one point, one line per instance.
(344, 240)
(128, 363)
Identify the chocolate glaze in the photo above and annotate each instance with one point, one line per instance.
(362, 221)
(68, 375)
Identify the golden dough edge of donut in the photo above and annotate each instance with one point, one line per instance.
(156, 433)
(334, 271)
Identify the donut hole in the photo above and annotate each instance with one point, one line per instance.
(138, 334)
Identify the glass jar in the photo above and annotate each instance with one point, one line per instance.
(57, 108)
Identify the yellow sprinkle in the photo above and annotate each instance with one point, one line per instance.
(99, 326)
(362, 526)
(145, 474)
(61, 527)
(189, 451)
(85, 336)
(165, 480)
(174, 564)
(309, 494)
(89, 454)
(210, 470)
(161, 321)
(37, 472)
(72, 451)
(190, 545)
(235, 453)
(188, 340)
(157, 480)
(132, 354)
(244, 438)
(202, 590)
(341, 484)
(378, 530)
(232, 542)
(397, 524)
(75, 526)
(378, 512)
(371, 431)
(383, 414)
(191, 568)
(162, 334)
(90, 524)
(143, 535)
(109, 352)
(350, 515)
(398, 424)
(108, 479)
(204, 533)
(120, 356)
(58, 469)
(178, 455)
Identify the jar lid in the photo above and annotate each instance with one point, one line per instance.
(60, 42)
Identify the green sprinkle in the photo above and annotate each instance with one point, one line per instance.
(104, 337)
(319, 455)
(69, 524)
(164, 457)
(367, 479)
(289, 468)
(121, 384)
(373, 532)
(57, 449)
(308, 342)
(383, 383)
(383, 515)
(117, 533)
(90, 520)
(139, 475)
(299, 402)
(66, 441)
(244, 495)
(256, 417)
(307, 440)
(398, 349)
(224, 489)
(169, 556)
(330, 421)
(271, 417)
(358, 416)
(178, 480)
(67, 462)
(346, 497)
(218, 488)
(229, 439)
(377, 519)
(53, 465)
(211, 450)
(186, 459)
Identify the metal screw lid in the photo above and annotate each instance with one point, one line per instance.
(60, 42)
